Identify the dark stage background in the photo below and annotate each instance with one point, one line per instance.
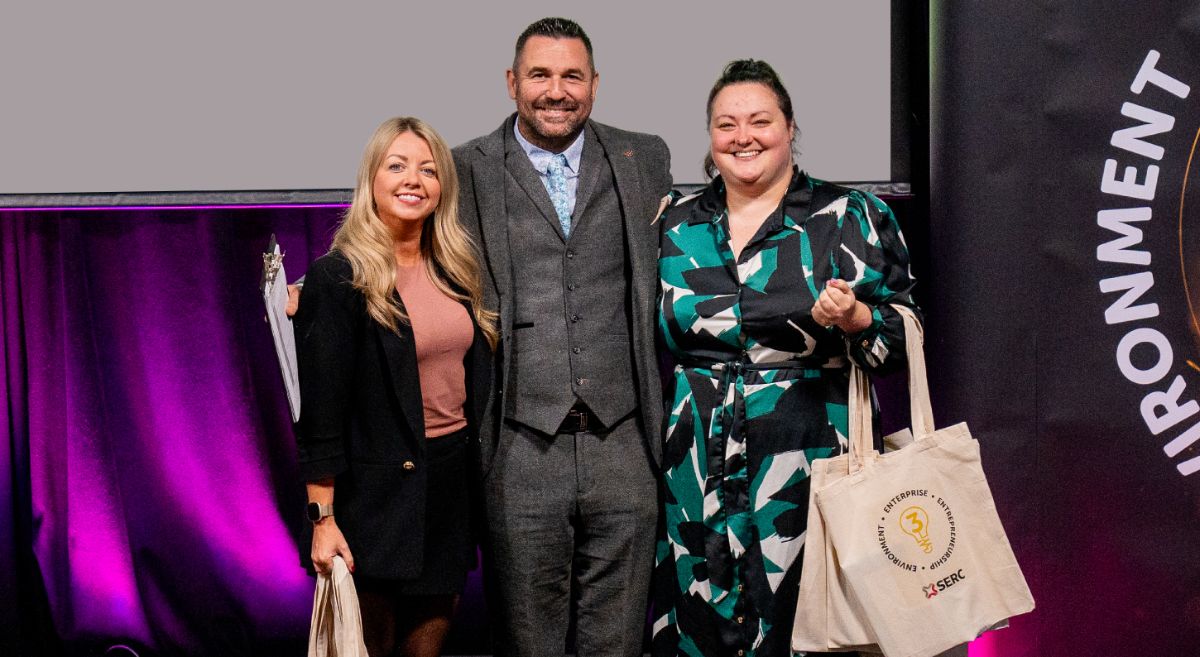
(151, 469)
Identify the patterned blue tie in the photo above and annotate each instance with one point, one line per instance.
(556, 184)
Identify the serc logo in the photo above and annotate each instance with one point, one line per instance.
(942, 584)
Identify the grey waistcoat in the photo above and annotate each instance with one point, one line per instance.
(570, 298)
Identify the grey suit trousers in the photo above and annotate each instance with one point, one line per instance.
(571, 512)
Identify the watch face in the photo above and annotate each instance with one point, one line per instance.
(314, 511)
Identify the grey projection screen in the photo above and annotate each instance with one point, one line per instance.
(130, 102)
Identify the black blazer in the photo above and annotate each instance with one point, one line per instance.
(362, 420)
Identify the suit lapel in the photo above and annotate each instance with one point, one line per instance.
(517, 163)
(639, 238)
(590, 167)
(401, 353)
(488, 174)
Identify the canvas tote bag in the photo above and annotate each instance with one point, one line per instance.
(914, 533)
(336, 629)
(827, 617)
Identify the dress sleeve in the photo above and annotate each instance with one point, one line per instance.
(325, 326)
(873, 258)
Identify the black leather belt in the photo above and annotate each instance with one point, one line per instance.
(578, 419)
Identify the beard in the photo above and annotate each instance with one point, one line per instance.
(546, 128)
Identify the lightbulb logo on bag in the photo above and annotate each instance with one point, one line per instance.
(917, 532)
(915, 522)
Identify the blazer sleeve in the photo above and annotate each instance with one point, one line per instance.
(468, 212)
(664, 180)
(326, 323)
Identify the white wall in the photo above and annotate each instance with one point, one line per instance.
(161, 95)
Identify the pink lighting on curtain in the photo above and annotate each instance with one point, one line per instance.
(985, 646)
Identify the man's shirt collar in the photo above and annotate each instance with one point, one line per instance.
(540, 157)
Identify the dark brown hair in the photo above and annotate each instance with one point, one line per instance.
(555, 28)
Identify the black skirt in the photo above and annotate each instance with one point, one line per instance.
(449, 552)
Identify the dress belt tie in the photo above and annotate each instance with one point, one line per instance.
(732, 494)
(732, 370)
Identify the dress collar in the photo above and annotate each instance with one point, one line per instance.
(711, 206)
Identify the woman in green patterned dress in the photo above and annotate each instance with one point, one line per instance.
(771, 280)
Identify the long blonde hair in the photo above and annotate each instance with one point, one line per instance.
(448, 251)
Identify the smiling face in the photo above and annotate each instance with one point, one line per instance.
(554, 86)
(751, 139)
(406, 186)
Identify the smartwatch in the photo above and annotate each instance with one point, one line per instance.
(318, 511)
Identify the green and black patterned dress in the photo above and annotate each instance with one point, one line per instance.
(760, 391)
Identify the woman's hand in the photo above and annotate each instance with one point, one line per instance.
(836, 306)
(293, 302)
(327, 542)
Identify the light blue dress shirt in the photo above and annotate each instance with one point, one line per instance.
(540, 158)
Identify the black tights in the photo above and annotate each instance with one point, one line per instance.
(405, 625)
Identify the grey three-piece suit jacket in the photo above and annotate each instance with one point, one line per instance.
(501, 195)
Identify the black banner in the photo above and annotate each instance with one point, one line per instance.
(1065, 306)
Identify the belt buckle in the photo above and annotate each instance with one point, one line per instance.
(581, 419)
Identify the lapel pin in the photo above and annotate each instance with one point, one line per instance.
(629, 153)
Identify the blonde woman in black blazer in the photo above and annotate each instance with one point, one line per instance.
(383, 492)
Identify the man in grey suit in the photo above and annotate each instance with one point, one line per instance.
(562, 207)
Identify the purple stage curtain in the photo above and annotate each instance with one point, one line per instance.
(151, 466)
(151, 471)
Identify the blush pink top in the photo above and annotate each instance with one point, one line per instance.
(443, 333)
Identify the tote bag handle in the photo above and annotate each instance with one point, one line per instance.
(920, 409)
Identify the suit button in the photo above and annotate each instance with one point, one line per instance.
(571, 287)
(581, 382)
(574, 318)
(409, 465)
(575, 350)
(570, 254)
